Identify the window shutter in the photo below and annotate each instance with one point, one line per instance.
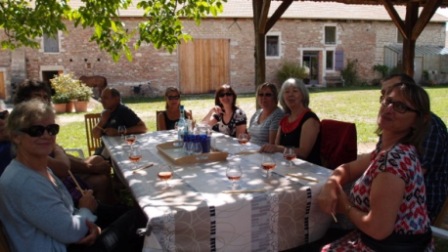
(339, 60)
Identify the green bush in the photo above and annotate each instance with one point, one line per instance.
(290, 69)
(382, 69)
(350, 74)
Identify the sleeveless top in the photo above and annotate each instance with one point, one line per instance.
(170, 124)
(292, 138)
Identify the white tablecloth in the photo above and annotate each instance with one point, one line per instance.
(196, 214)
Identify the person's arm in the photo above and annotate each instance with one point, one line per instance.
(161, 121)
(274, 127)
(308, 137)
(342, 175)
(59, 163)
(188, 115)
(99, 128)
(139, 128)
(210, 117)
(386, 196)
(276, 147)
(240, 129)
(92, 165)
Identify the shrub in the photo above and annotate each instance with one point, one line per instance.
(290, 69)
(65, 86)
(350, 74)
(382, 69)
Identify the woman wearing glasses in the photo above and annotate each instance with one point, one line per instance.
(167, 120)
(300, 128)
(226, 117)
(35, 207)
(264, 123)
(387, 202)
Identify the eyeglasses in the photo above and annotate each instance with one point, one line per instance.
(3, 114)
(265, 95)
(38, 130)
(173, 97)
(398, 106)
(225, 94)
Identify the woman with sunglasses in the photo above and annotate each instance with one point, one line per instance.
(35, 207)
(264, 123)
(387, 201)
(168, 119)
(300, 128)
(225, 116)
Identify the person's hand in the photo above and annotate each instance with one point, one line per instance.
(269, 148)
(98, 164)
(88, 201)
(343, 200)
(218, 110)
(90, 238)
(328, 197)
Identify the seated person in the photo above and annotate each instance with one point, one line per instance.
(264, 123)
(300, 128)
(115, 114)
(35, 207)
(5, 145)
(95, 171)
(387, 202)
(225, 116)
(168, 119)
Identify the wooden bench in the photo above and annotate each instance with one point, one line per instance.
(334, 81)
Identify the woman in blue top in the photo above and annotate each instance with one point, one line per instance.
(225, 116)
(36, 209)
(167, 120)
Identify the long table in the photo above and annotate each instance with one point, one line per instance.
(197, 212)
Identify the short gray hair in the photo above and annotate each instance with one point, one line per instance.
(26, 113)
(298, 83)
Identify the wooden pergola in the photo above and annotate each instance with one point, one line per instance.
(410, 28)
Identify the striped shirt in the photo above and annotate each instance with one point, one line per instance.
(259, 132)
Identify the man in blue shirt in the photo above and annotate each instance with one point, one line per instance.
(434, 158)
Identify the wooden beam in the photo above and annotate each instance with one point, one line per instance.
(395, 17)
(428, 11)
(264, 16)
(277, 14)
(409, 43)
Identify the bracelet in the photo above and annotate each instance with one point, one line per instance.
(348, 207)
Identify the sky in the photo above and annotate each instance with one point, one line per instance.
(443, 11)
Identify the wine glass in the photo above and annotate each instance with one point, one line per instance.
(130, 139)
(197, 150)
(243, 138)
(289, 154)
(121, 131)
(135, 155)
(234, 173)
(165, 173)
(268, 164)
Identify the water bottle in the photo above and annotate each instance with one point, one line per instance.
(182, 126)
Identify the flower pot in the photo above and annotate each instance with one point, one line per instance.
(81, 106)
(60, 107)
(70, 106)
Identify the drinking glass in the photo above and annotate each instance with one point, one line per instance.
(135, 155)
(268, 164)
(130, 139)
(197, 150)
(165, 173)
(289, 154)
(121, 131)
(243, 138)
(234, 173)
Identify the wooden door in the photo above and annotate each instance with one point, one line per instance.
(2, 86)
(203, 65)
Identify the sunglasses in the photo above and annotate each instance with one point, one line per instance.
(265, 95)
(398, 106)
(225, 94)
(173, 97)
(38, 130)
(3, 114)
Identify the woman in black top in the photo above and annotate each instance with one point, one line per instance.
(167, 120)
(300, 128)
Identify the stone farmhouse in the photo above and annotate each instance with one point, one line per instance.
(321, 36)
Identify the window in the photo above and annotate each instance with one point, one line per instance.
(330, 35)
(51, 43)
(329, 64)
(272, 46)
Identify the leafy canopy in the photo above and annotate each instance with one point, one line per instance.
(23, 21)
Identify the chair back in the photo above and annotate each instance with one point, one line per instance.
(338, 143)
(91, 119)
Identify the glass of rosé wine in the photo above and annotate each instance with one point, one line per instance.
(234, 173)
(165, 173)
(268, 164)
(289, 154)
(135, 155)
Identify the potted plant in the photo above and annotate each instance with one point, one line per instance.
(60, 102)
(82, 94)
(66, 86)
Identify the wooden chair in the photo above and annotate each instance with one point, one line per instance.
(338, 143)
(91, 119)
(160, 112)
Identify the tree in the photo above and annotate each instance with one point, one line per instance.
(23, 21)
